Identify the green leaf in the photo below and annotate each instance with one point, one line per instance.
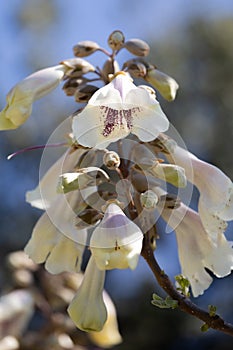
(183, 285)
(167, 303)
(212, 310)
(205, 327)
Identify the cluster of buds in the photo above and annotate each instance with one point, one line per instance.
(119, 174)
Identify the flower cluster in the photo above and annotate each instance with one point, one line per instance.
(119, 174)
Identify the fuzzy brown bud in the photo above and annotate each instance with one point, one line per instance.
(116, 40)
(109, 67)
(71, 85)
(87, 217)
(84, 93)
(137, 47)
(77, 67)
(85, 48)
(135, 68)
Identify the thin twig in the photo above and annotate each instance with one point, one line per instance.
(184, 303)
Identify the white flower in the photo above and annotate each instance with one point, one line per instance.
(116, 242)
(22, 95)
(216, 189)
(166, 85)
(116, 110)
(109, 336)
(197, 250)
(55, 238)
(51, 246)
(87, 309)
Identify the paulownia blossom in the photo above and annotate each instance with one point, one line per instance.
(216, 190)
(115, 111)
(23, 94)
(198, 250)
(117, 241)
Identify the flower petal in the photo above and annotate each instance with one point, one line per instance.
(48, 244)
(22, 96)
(116, 242)
(197, 250)
(116, 110)
(87, 309)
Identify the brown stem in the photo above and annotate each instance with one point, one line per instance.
(184, 303)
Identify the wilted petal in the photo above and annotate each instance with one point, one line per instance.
(197, 250)
(22, 96)
(87, 309)
(116, 110)
(116, 242)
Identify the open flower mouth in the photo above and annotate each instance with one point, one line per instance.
(117, 118)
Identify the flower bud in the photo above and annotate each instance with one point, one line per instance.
(85, 48)
(173, 174)
(87, 217)
(166, 85)
(84, 93)
(137, 47)
(149, 199)
(112, 160)
(110, 68)
(135, 68)
(116, 40)
(141, 182)
(81, 179)
(77, 67)
(71, 85)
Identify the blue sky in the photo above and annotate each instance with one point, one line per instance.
(94, 20)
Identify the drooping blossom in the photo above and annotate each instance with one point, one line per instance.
(117, 241)
(22, 95)
(87, 309)
(197, 249)
(216, 189)
(115, 111)
(48, 244)
(55, 239)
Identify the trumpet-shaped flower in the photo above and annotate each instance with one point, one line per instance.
(55, 238)
(109, 336)
(87, 309)
(197, 250)
(216, 190)
(22, 95)
(51, 246)
(116, 242)
(117, 109)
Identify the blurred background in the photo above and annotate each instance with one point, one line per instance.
(190, 40)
